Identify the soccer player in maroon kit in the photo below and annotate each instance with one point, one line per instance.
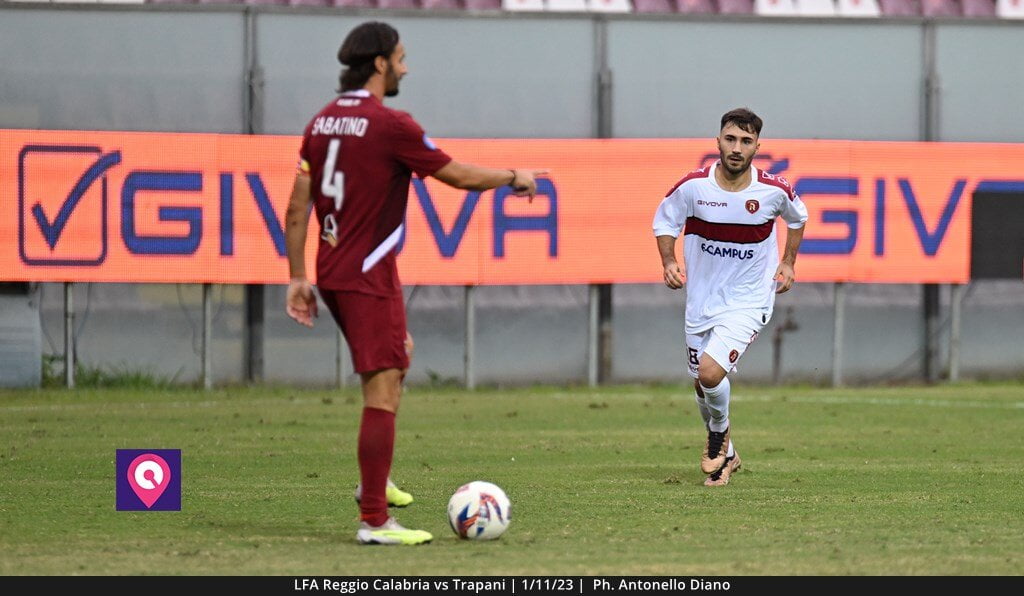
(356, 161)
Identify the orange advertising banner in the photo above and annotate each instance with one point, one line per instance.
(205, 208)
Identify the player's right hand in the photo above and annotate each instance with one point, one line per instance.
(674, 277)
(525, 183)
(300, 303)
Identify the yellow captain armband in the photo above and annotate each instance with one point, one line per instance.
(303, 166)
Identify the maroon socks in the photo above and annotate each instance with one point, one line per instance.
(376, 446)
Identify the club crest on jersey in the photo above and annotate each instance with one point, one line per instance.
(733, 355)
(753, 206)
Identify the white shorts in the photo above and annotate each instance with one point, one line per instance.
(725, 342)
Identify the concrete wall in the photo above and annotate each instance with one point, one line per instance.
(502, 75)
(20, 337)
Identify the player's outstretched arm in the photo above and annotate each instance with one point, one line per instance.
(470, 177)
(674, 277)
(300, 302)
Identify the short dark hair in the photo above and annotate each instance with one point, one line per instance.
(743, 118)
(357, 53)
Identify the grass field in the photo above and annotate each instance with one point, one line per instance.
(867, 481)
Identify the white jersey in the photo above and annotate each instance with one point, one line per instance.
(730, 246)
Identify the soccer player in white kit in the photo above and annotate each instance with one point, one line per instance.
(726, 212)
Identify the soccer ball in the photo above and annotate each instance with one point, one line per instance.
(479, 511)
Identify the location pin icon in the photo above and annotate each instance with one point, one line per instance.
(149, 475)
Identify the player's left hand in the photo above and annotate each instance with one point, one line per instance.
(300, 303)
(785, 275)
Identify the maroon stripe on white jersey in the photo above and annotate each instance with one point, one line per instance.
(729, 232)
(701, 173)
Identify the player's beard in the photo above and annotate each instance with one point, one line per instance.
(734, 170)
(390, 82)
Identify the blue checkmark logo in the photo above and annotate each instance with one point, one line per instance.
(31, 158)
(52, 230)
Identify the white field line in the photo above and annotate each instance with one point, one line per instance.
(815, 399)
(825, 399)
(887, 401)
(155, 405)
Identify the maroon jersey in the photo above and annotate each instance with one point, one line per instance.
(360, 156)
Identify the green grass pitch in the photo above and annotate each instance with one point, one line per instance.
(862, 481)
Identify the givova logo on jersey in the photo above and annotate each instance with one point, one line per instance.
(732, 253)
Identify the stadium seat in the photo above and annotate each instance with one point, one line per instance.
(609, 6)
(775, 8)
(941, 8)
(566, 5)
(522, 5)
(653, 6)
(393, 4)
(1010, 9)
(442, 5)
(900, 8)
(736, 6)
(483, 4)
(351, 3)
(815, 8)
(976, 9)
(310, 3)
(857, 8)
(263, 2)
(696, 7)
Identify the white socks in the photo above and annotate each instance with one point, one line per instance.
(717, 401)
(705, 413)
(702, 405)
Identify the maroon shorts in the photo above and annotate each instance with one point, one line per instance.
(374, 327)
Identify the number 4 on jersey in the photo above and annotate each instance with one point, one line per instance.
(332, 185)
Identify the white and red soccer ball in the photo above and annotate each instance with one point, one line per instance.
(479, 511)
